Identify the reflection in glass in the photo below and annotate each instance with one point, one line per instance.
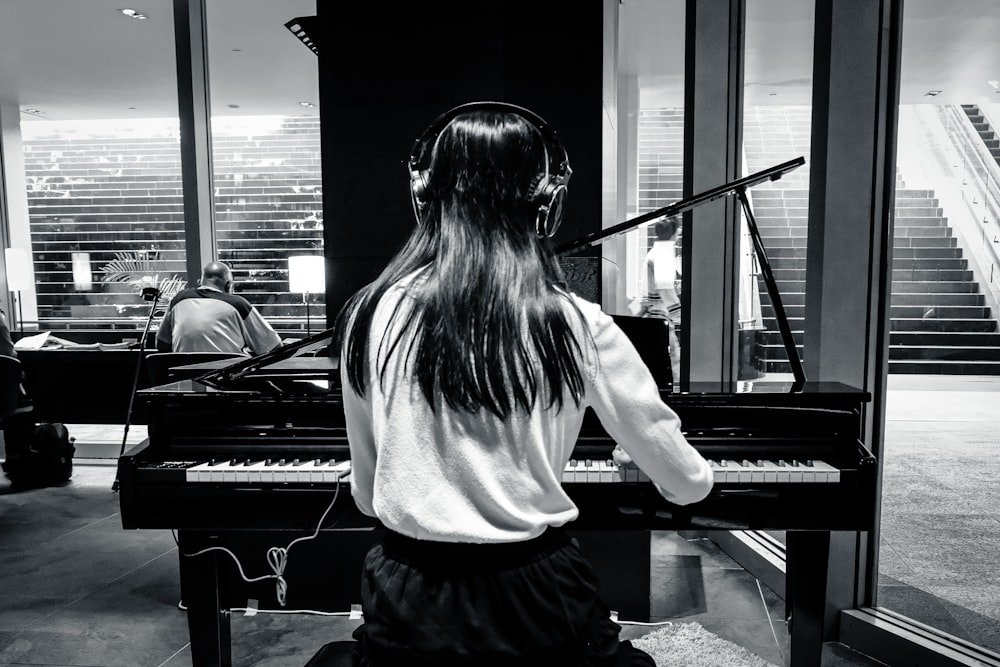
(651, 96)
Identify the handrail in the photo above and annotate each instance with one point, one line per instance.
(980, 178)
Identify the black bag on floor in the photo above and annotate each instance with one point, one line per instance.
(45, 459)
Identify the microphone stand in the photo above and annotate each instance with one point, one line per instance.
(149, 294)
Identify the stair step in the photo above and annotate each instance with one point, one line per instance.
(945, 352)
(938, 367)
(943, 338)
(929, 264)
(934, 287)
(932, 302)
(901, 252)
(951, 325)
(938, 312)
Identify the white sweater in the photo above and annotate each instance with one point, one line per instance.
(457, 477)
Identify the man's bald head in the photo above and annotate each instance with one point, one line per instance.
(217, 275)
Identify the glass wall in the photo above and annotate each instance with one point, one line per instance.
(106, 216)
(101, 151)
(101, 163)
(266, 155)
(776, 128)
(940, 523)
(651, 120)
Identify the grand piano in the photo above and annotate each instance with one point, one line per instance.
(254, 455)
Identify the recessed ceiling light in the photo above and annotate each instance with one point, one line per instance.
(133, 14)
(237, 50)
(33, 112)
(309, 105)
(233, 106)
(932, 93)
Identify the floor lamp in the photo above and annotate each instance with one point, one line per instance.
(307, 274)
(19, 277)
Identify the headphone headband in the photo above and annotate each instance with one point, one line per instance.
(548, 196)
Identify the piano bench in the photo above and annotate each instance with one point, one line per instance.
(334, 654)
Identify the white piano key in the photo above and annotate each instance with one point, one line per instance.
(342, 470)
(832, 472)
(193, 474)
(254, 471)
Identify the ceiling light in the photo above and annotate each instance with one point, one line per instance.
(33, 112)
(233, 106)
(309, 105)
(133, 14)
(932, 93)
(994, 83)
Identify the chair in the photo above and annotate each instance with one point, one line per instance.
(161, 367)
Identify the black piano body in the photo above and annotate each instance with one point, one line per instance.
(192, 424)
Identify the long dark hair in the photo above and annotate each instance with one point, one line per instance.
(485, 279)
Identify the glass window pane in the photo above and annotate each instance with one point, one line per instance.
(101, 163)
(776, 128)
(651, 119)
(266, 156)
(940, 527)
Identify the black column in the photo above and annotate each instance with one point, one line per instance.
(849, 268)
(386, 71)
(713, 121)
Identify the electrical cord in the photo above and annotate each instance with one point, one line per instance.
(277, 557)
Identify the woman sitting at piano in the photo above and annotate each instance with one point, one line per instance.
(467, 367)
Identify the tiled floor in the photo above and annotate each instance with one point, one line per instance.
(79, 590)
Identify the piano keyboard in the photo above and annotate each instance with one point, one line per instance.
(727, 471)
(320, 471)
(268, 471)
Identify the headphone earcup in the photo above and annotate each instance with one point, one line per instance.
(419, 193)
(549, 199)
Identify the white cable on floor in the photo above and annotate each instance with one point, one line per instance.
(277, 557)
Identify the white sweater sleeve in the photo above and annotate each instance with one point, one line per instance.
(361, 436)
(627, 401)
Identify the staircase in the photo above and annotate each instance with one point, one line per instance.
(983, 128)
(939, 321)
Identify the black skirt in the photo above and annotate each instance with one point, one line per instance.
(523, 603)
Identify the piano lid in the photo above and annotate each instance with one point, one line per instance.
(305, 366)
(737, 188)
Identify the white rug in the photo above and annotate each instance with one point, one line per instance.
(690, 645)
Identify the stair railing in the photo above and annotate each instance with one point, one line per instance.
(979, 175)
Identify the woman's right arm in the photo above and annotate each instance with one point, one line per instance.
(626, 399)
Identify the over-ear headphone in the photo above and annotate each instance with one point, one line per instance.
(548, 196)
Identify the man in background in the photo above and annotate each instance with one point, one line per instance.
(662, 299)
(210, 318)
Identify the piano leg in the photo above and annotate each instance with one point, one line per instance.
(807, 555)
(201, 591)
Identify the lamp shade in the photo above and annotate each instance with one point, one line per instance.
(83, 279)
(19, 274)
(306, 273)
